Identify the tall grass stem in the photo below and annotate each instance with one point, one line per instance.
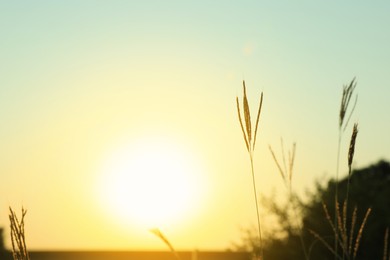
(257, 207)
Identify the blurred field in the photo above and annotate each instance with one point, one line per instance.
(132, 255)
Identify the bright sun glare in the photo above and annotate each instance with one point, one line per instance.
(152, 183)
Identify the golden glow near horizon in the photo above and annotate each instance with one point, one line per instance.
(153, 182)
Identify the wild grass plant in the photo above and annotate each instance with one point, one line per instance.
(346, 237)
(286, 172)
(18, 238)
(250, 142)
(346, 96)
(339, 225)
(157, 232)
(343, 237)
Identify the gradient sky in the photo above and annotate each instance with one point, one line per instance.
(79, 79)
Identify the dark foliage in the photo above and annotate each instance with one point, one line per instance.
(369, 188)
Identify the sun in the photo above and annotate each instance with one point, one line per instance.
(152, 182)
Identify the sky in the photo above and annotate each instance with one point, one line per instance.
(96, 95)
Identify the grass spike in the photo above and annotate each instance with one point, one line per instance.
(351, 150)
(163, 238)
(360, 233)
(258, 119)
(353, 223)
(277, 164)
(242, 126)
(247, 116)
(18, 239)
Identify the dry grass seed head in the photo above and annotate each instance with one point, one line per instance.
(291, 161)
(258, 118)
(283, 156)
(345, 215)
(328, 218)
(242, 126)
(340, 228)
(247, 130)
(285, 172)
(247, 115)
(360, 233)
(337, 230)
(277, 163)
(18, 241)
(347, 246)
(345, 99)
(326, 244)
(163, 238)
(351, 150)
(353, 223)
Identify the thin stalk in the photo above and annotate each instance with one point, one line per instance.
(287, 180)
(257, 206)
(163, 238)
(299, 226)
(336, 197)
(250, 145)
(345, 99)
(347, 196)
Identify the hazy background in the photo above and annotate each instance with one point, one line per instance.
(79, 78)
